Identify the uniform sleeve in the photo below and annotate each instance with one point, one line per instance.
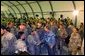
(58, 33)
(5, 46)
(79, 40)
(31, 40)
(37, 39)
(51, 40)
(65, 35)
(82, 48)
(11, 44)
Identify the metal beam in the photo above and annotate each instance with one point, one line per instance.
(21, 4)
(7, 13)
(3, 13)
(74, 5)
(62, 11)
(11, 8)
(56, 11)
(28, 2)
(31, 9)
(22, 7)
(34, 2)
(8, 9)
(16, 8)
(40, 8)
(76, 15)
(51, 7)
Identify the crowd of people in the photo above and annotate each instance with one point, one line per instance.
(42, 37)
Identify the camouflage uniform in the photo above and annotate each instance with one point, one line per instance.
(62, 35)
(8, 42)
(82, 47)
(13, 30)
(74, 43)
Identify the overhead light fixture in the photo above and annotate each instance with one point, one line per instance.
(75, 12)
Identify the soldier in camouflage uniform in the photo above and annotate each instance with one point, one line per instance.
(62, 35)
(8, 42)
(12, 28)
(74, 42)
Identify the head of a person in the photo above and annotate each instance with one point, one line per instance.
(20, 45)
(81, 24)
(47, 19)
(71, 23)
(47, 27)
(22, 27)
(75, 30)
(39, 24)
(33, 31)
(10, 24)
(4, 29)
(55, 22)
(61, 16)
(51, 23)
(61, 26)
(60, 22)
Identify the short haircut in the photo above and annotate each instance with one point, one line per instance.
(71, 23)
(3, 27)
(82, 23)
(47, 26)
(6, 28)
(77, 29)
(10, 22)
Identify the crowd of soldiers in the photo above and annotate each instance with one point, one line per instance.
(42, 37)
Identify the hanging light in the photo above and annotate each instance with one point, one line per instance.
(75, 12)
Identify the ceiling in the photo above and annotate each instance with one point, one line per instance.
(42, 6)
